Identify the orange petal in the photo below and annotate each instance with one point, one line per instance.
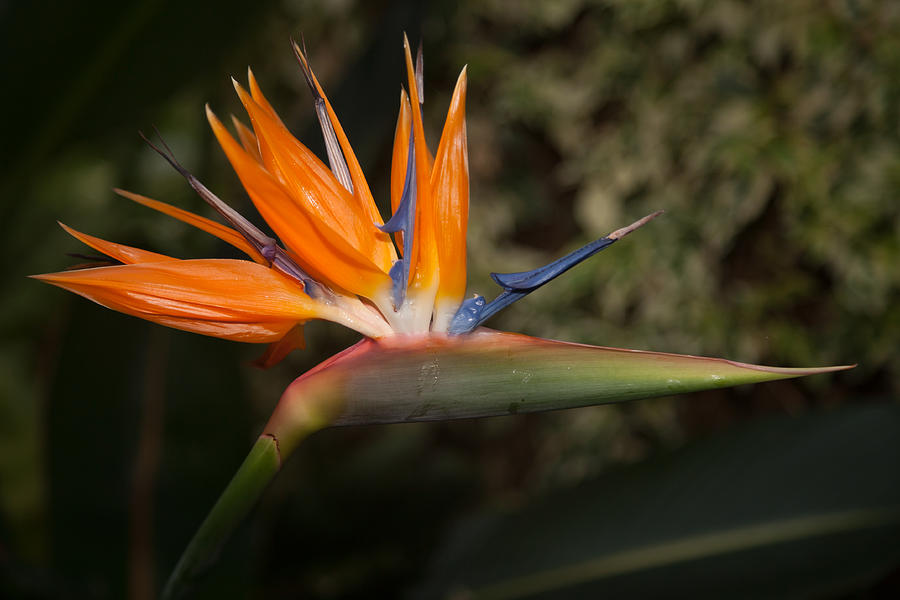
(248, 138)
(321, 251)
(424, 264)
(223, 232)
(259, 98)
(313, 187)
(289, 159)
(121, 253)
(399, 160)
(293, 164)
(360, 185)
(277, 351)
(232, 299)
(450, 198)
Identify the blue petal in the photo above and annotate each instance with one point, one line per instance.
(404, 220)
(467, 316)
(474, 311)
(399, 275)
(531, 280)
(516, 286)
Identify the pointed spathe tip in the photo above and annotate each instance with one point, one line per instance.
(794, 371)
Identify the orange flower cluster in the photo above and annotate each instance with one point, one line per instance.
(338, 261)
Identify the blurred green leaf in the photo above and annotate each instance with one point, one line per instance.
(784, 508)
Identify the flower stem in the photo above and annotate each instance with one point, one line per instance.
(260, 466)
(310, 403)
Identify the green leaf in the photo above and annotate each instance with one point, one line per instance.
(784, 508)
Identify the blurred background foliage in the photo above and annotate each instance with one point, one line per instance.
(769, 131)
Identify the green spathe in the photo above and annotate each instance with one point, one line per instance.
(489, 373)
(438, 377)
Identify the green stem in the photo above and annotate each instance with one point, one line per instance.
(309, 404)
(260, 466)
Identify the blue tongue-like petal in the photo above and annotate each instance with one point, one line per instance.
(531, 280)
(474, 311)
(404, 220)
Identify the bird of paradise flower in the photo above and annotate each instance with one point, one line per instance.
(424, 355)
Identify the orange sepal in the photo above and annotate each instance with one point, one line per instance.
(232, 299)
(323, 252)
(450, 198)
(313, 187)
(223, 232)
(120, 252)
(277, 351)
(424, 264)
(310, 182)
(259, 97)
(360, 185)
(248, 139)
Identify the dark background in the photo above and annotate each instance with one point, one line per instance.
(770, 133)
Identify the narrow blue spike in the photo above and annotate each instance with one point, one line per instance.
(474, 311)
(404, 220)
(531, 280)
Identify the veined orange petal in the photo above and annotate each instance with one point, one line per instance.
(120, 252)
(254, 333)
(323, 252)
(424, 265)
(399, 159)
(265, 151)
(232, 299)
(450, 200)
(312, 186)
(223, 232)
(259, 97)
(309, 181)
(248, 138)
(360, 185)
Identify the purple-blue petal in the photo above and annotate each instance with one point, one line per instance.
(404, 220)
(474, 311)
(531, 280)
